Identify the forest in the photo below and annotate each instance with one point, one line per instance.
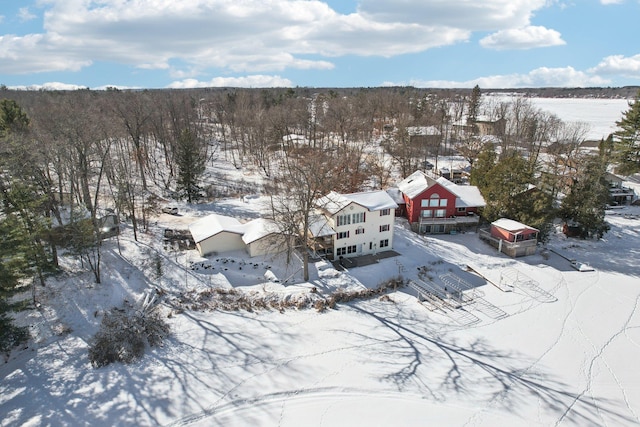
(68, 160)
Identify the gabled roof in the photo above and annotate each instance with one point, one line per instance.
(213, 224)
(415, 184)
(371, 200)
(257, 229)
(512, 226)
(467, 196)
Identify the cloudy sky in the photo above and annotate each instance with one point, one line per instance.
(330, 43)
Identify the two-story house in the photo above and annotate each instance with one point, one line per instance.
(437, 205)
(354, 224)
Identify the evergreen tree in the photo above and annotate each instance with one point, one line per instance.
(627, 147)
(587, 199)
(481, 170)
(503, 185)
(191, 165)
(474, 109)
(13, 266)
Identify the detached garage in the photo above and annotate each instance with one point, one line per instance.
(217, 234)
(262, 237)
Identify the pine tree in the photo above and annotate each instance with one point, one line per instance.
(13, 266)
(585, 204)
(627, 147)
(502, 186)
(474, 109)
(191, 165)
(481, 170)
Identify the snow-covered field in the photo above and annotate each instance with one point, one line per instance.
(536, 342)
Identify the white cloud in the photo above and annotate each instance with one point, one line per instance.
(540, 77)
(465, 14)
(605, 2)
(619, 64)
(253, 36)
(246, 81)
(522, 38)
(25, 15)
(26, 53)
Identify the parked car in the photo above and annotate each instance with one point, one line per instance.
(170, 210)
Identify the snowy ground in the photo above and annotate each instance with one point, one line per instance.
(558, 349)
(535, 342)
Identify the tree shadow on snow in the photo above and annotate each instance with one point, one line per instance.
(444, 370)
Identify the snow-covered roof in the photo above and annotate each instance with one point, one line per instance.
(467, 195)
(213, 224)
(371, 200)
(415, 184)
(512, 226)
(319, 226)
(396, 195)
(257, 229)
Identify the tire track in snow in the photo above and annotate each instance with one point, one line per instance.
(571, 303)
(599, 356)
(216, 406)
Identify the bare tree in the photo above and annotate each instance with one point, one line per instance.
(302, 181)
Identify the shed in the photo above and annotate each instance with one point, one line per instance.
(217, 233)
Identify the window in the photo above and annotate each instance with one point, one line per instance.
(348, 250)
(384, 212)
(427, 213)
(440, 213)
(358, 217)
(461, 209)
(384, 243)
(434, 201)
(443, 203)
(384, 227)
(342, 235)
(424, 203)
(344, 220)
(360, 230)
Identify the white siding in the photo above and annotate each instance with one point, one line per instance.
(270, 244)
(221, 242)
(368, 242)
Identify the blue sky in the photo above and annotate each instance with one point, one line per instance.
(331, 43)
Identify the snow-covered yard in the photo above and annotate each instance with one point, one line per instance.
(533, 342)
(554, 346)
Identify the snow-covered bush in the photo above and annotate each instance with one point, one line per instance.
(125, 333)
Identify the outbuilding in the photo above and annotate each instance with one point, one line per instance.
(217, 233)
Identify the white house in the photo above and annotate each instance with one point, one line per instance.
(217, 233)
(354, 224)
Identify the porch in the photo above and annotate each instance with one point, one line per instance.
(440, 225)
(512, 249)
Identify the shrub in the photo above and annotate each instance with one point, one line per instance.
(125, 333)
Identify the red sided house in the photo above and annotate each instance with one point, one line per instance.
(437, 205)
(511, 237)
